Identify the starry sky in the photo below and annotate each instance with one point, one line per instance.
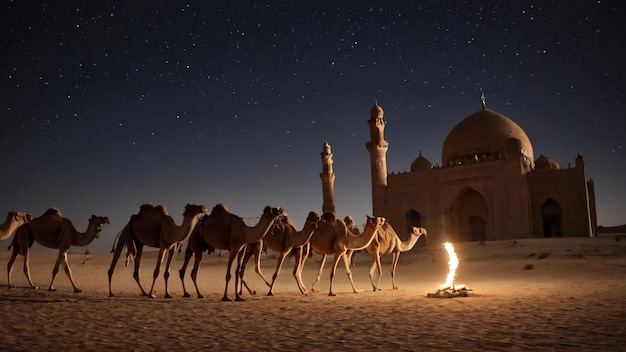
(107, 105)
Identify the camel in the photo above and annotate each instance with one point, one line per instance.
(52, 230)
(333, 237)
(14, 220)
(225, 231)
(283, 238)
(153, 227)
(388, 242)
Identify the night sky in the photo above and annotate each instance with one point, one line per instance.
(108, 105)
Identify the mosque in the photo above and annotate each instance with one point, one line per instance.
(488, 187)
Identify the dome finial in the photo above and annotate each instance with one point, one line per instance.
(482, 98)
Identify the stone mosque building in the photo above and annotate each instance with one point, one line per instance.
(488, 187)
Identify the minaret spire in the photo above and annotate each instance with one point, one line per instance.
(377, 147)
(328, 180)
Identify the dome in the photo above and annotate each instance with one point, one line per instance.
(545, 163)
(483, 135)
(421, 164)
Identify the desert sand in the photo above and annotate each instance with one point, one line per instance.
(537, 294)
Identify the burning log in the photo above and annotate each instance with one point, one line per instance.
(448, 290)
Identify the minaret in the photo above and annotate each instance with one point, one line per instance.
(328, 180)
(377, 147)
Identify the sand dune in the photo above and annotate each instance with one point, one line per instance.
(541, 294)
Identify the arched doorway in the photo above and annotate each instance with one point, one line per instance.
(414, 219)
(468, 216)
(552, 218)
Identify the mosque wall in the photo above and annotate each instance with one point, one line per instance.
(449, 199)
(561, 196)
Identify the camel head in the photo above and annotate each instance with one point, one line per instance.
(193, 210)
(273, 213)
(313, 218)
(99, 221)
(418, 232)
(282, 224)
(20, 217)
(375, 221)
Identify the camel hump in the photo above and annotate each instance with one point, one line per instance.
(329, 216)
(388, 230)
(145, 207)
(219, 208)
(161, 209)
(148, 207)
(53, 211)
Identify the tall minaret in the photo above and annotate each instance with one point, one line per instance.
(377, 147)
(328, 180)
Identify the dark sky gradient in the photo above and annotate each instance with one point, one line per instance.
(108, 105)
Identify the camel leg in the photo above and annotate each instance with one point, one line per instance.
(372, 271)
(183, 269)
(376, 265)
(352, 255)
(238, 274)
(27, 269)
(137, 264)
(394, 264)
(156, 271)
(194, 272)
(346, 261)
(301, 257)
(131, 251)
(116, 256)
(319, 274)
(257, 265)
(10, 266)
(246, 257)
(166, 274)
(231, 258)
(68, 271)
(297, 270)
(55, 270)
(279, 264)
(333, 269)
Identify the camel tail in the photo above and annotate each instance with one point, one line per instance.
(129, 225)
(117, 237)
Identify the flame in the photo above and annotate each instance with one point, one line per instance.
(453, 264)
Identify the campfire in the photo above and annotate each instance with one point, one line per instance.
(448, 289)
